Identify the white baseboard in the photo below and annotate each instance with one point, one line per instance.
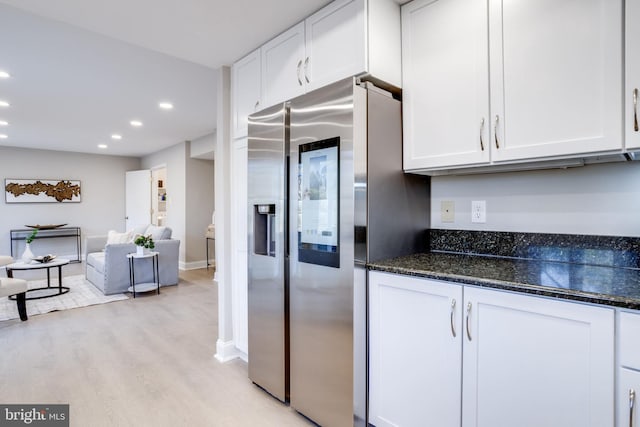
(194, 265)
(226, 351)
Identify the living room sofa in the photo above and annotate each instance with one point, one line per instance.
(107, 266)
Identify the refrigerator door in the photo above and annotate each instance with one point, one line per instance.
(322, 263)
(267, 275)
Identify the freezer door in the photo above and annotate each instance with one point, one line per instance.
(321, 287)
(267, 214)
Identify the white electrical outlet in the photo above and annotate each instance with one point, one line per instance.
(479, 211)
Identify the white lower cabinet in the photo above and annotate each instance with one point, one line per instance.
(415, 351)
(523, 360)
(531, 361)
(628, 388)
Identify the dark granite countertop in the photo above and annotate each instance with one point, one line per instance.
(598, 284)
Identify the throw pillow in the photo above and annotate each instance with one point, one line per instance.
(115, 237)
(157, 233)
(139, 229)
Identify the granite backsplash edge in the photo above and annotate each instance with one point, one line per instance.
(608, 251)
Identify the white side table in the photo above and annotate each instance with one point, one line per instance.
(146, 286)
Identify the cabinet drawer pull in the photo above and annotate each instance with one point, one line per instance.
(298, 72)
(635, 109)
(468, 312)
(306, 65)
(453, 310)
(495, 131)
(632, 402)
(481, 131)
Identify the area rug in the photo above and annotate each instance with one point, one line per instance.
(81, 294)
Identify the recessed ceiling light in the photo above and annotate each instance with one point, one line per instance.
(4, 75)
(3, 123)
(103, 146)
(166, 105)
(3, 136)
(116, 136)
(135, 123)
(4, 104)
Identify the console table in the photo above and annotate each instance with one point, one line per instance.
(49, 233)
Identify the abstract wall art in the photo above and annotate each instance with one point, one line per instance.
(41, 191)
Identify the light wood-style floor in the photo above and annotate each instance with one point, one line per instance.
(147, 361)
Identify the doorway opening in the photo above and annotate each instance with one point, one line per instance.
(159, 196)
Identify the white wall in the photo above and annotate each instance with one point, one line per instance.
(204, 147)
(599, 199)
(102, 186)
(190, 199)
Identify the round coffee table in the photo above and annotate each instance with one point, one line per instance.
(38, 266)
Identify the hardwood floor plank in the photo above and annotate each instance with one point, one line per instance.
(147, 361)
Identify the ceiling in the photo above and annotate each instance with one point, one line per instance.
(82, 70)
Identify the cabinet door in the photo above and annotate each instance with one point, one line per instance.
(445, 83)
(632, 73)
(531, 362)
(335, 43)
(414, 351)
(628, 398)
(245, 76)
(556, 74)
(282, 66)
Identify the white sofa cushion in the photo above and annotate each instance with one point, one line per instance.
(96, 260)
(12, 286)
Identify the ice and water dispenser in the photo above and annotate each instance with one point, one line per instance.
(264, 230)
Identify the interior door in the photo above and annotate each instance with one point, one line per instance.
(137, 198)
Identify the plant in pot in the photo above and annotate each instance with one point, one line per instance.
(27, 256)
(144, 244)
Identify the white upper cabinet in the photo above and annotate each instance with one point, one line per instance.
(556, 74)
(632, 73)
(283, 66)
(246, 88)
(553, 81)
(335, 38)
(445, 78)
(345, 38)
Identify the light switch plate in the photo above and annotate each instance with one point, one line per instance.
(479, 211)
(447, 211)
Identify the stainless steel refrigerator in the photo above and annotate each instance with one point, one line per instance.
(326, 195)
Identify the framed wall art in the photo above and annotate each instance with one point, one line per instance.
(41, 191)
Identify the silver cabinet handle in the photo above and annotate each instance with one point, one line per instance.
(481, 131)
(632, 401)
(298, 73)
(453, 310)
(635, 109)
(495, 131)
(468, 312)
(306, 65)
